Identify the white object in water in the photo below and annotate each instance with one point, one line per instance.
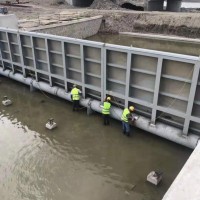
(6, 101)
(154, 177)
(51, 124)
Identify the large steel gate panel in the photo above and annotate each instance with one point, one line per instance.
(162, 86)
(92, 66)
(142, 82)
(116, 64)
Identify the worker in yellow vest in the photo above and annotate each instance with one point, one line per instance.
(126, 116)
(106, 111)
(75, 96)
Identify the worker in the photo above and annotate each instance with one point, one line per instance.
(75, 96)
(106, 111)
(126, 116)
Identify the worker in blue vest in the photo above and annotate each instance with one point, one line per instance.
(75, 97)
(106, 111)
(126, 116)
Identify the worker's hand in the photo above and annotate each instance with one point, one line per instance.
(134, 118)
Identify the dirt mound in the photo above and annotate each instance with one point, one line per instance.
(104, 5)
(49, 2)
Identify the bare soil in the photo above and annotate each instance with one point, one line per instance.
(38, 8)
(104, 4)
(117, 20)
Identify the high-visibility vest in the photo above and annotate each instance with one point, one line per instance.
(75, 94)
(124, 115)
(106, 108)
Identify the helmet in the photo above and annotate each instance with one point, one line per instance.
(108, 98)
(74, 85)
(131, 108)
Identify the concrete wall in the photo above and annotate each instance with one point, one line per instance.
(81, 28)
(9, 21)
(186, 185)
(158, 5)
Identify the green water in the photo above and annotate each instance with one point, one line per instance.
(81, 158)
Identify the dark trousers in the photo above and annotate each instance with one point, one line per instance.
(126, 128)
(106, 119)
(75, 105)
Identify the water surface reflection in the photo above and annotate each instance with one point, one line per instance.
(81, 159)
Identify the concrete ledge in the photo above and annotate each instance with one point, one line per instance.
(186, 185)
(8, 21)
(80, 28)
(161, 37)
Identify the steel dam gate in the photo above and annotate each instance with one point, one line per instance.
(163, 86)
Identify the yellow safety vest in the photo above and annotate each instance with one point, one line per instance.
(124, 115)
(75, 94)
(106, 108)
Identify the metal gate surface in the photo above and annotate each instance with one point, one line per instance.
(163, 86)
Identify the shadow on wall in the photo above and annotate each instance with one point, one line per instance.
(132, 7)
(82, 3)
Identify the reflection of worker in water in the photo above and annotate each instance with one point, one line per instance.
(106, 111)
(126, 116)
(75, 96)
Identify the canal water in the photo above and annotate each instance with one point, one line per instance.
(160, 45)
(81, 159)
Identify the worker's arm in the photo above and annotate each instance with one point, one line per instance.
(131, 117)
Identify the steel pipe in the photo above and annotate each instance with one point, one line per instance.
(160, 129)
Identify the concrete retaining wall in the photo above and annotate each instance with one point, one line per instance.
(186, 185)
(9, 21)
(81, 28)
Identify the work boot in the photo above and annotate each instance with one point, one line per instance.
(128, 134)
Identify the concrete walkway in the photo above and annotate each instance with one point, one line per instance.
(161, 37)
(187, 184)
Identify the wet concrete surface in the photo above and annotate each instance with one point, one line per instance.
(81, 158)
(160, 45)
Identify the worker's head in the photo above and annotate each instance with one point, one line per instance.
(108, 98)
(131, 108)
(74, 86)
